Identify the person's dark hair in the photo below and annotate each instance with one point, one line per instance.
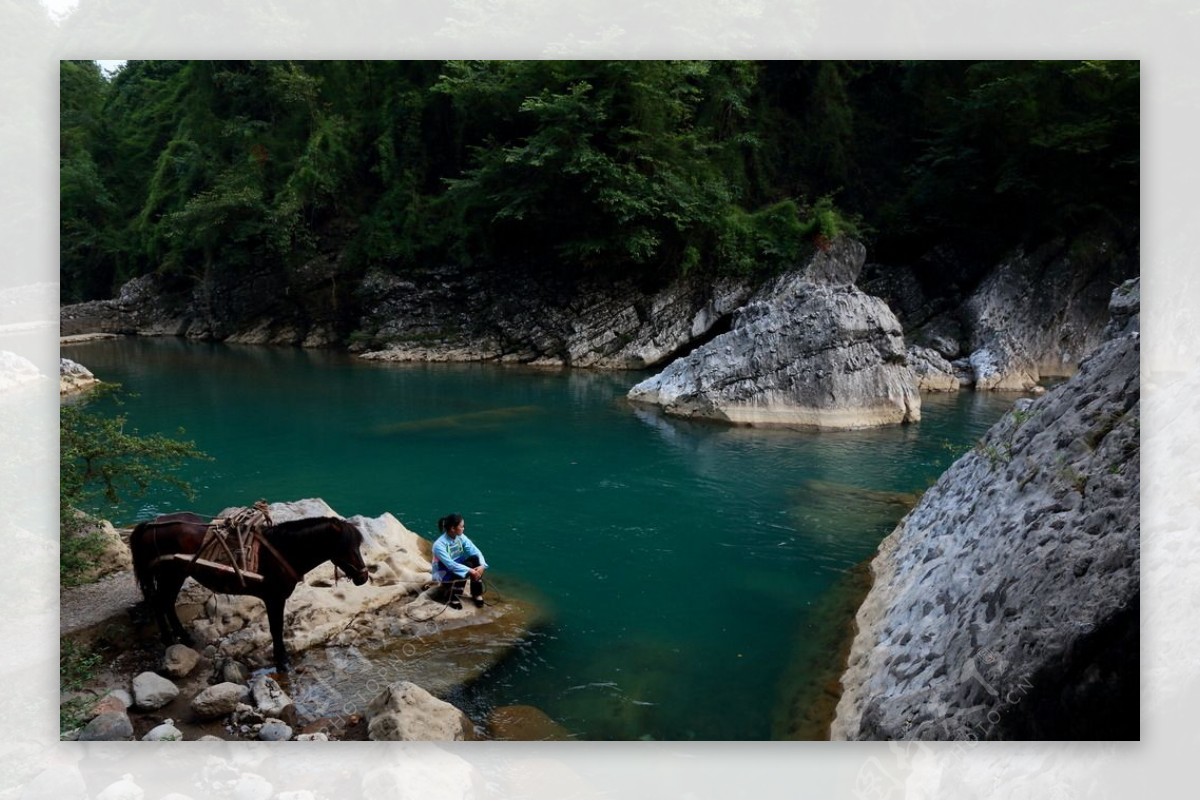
(448, 522)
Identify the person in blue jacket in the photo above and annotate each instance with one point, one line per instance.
(456, 560)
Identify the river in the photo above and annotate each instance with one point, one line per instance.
(681, 563)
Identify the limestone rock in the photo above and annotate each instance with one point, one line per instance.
(808, 350)
(73, 377)
(271, 700)
(179, 661)
(108, 726)
(163, 732)
(219, 699)
(404, 711)
(274, 730)
(113, 555)
(318, 736)
(1037, 314)
(934, 373)
(1005, 605)
(1125, 309)
(152, 691)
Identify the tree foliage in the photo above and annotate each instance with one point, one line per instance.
(102, 463)
(604, 169)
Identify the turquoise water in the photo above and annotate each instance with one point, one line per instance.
(677, 559)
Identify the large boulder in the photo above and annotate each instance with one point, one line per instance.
(1005, 605)
(808, 350)
(404, 711)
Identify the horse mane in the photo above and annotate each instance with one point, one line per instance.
(294, 529)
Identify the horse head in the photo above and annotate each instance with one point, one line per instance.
(349, 558)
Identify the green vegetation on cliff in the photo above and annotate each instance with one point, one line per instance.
(646, 169)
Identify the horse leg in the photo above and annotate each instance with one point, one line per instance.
(275, 619)
(168, 590)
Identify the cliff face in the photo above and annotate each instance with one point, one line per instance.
(1031, 315)
(809, 349)
(1005, 605)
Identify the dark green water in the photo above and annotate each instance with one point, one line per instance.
(678, 559)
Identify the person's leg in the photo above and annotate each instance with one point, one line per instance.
(476, 585)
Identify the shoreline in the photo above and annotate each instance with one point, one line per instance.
(810, 705)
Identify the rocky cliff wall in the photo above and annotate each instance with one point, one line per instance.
(1034, 314)
(1005, 605)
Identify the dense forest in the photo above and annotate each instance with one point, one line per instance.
(609, 169)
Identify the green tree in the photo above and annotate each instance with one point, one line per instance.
(101, 462)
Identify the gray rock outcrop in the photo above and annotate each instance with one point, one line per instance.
(613, 326)
(404, 711)
(1033, 314)
(1005, 605)
(809, 349)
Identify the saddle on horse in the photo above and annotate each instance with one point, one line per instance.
(229, 551)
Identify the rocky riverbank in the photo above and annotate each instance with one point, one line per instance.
(992, 327)
(367, 658)
(1005, 605)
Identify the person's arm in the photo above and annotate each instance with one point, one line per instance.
(470, 550)
(442, 554)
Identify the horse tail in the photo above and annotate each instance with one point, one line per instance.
(140, 550)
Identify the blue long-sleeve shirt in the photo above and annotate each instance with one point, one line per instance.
(447, 553)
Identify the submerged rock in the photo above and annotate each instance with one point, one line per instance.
(809, 349)
(523, 722)
(1005, 605)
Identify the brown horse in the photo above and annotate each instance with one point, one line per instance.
(297, 547)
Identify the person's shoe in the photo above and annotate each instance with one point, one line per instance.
(456, 604)
(478, 602)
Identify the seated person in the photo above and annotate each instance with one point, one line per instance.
(456, 560)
